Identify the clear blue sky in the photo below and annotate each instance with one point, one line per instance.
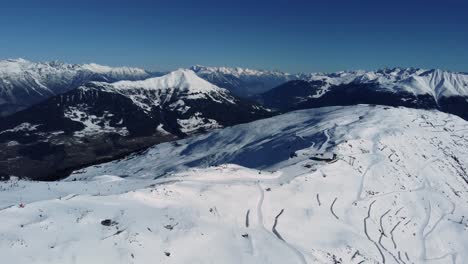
(288, 35)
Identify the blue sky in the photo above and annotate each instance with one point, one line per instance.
(287, 35)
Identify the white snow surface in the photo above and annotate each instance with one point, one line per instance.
(328, 185)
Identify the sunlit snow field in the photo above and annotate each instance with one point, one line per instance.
(360, 184)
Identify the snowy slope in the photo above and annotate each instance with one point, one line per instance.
(329, 185)
(438, 83)
(23, 83)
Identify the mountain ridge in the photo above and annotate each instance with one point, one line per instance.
(24, 83)
(410, 87)
(100, 121)
(243, 82)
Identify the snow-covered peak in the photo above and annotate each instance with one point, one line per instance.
(102, 69)
(182, 79)
(181, 85)
(97, 68)
(440, 83)
(12, 66)
(381, 76)
(21, 66)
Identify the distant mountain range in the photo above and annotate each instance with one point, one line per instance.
(409, 87)
(24, 83)
(245, 82)
(76, 115)
(417, 88)
(101, 121)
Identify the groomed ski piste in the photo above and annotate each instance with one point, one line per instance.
(359, 184)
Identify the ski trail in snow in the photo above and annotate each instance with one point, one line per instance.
(273, 229)
(424, 186)
(424, 224)
(262, 226)
(318, 199)
(391, 234)
(359, 197)
(383, 234)
(361, 184)
(375, 161)
(331, 208)
(453, 256)
(440, 219)
(324, 144)
(369, 209)
(259, 206)
(424, 235)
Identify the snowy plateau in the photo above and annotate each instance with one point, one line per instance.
(353, 184)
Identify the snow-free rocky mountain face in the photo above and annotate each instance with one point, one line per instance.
(328, 185)
(427, 89)
(24, 83)
(245, 82)
(101, 121)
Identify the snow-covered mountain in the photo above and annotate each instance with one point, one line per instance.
(437, 83)
(410, 87)
(244, 82)
(100, 121)
(328, 185)
(24, 83)
(430, 89)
